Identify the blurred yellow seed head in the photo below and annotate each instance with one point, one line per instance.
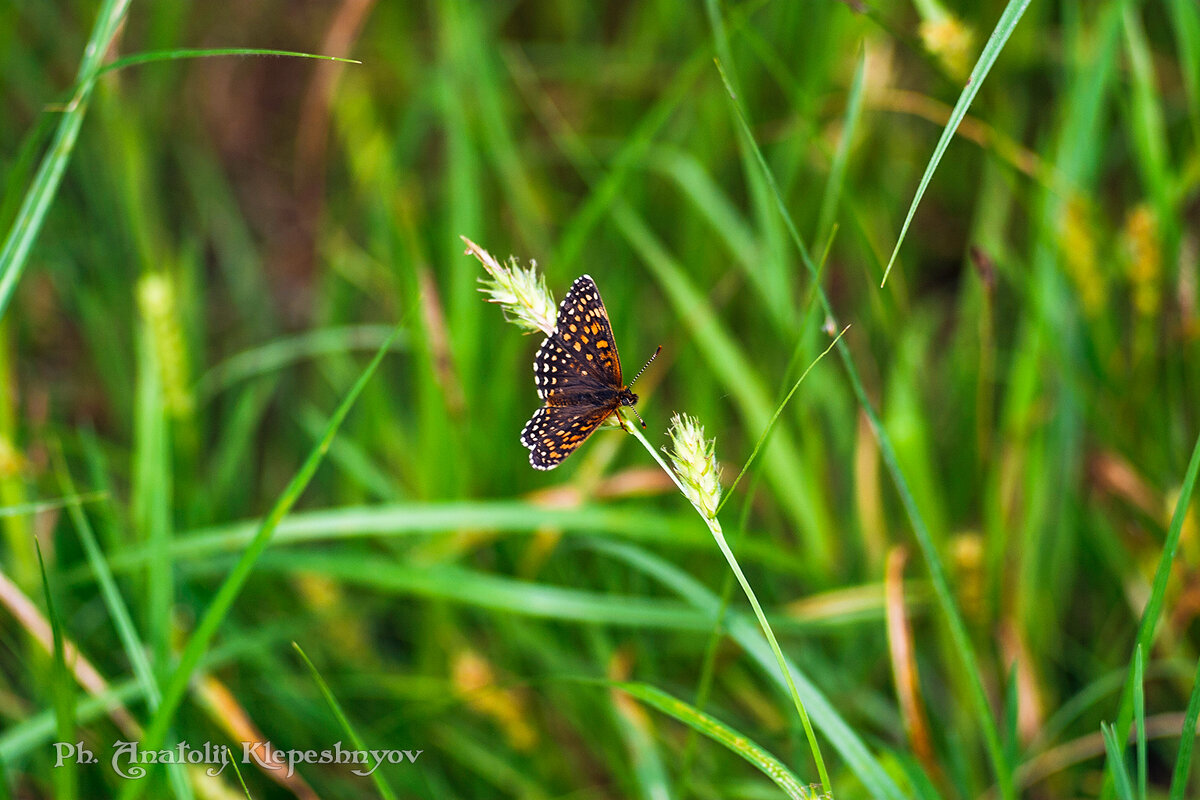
(10, 460)
(474, 681)
(1144, 251)
(1077, 242)
(951, 42)
(160, 311)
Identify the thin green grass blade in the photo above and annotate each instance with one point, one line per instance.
(241, 780)
(1012, 700)
(1147, 126)
(721, 733)
(645, 756)
(785, 468)
(991, 51)
(376, 775)
(498, 517)
(450, 583)
(1185, 22)
(937, 572)
(135, 651)
(65, 777)
(606, 192)
(24, 737)
(19, 167)
(152, 497)
(223, 601)
(762, 439)
(1116, 762)
(724, 219)
(21, 739)
(32, 213)
(709, 665)
(1158, 588)
(876, 779)
(184, 54)
(1187, 739)
(718, 535)
(352, 459)
(1139, 719)
(841, 156)
(41, 506)
(772, 264)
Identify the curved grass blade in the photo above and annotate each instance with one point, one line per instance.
(1116, 762)
(1158, 589)
(837, 169)
(382, 785)
(66, 781)
(1185, 23)
(135, 651)
(866, 767)
(1139, 716)
(285, 351)
(32, 214)
(714, 526)
(721, 733)
(25, 737)
(493, 592)
(240, 779)
(770, 425)
(933, 562)
(22, 738)
(153, 56)
(645, 759)
(1183, 761)
(991, 50)
(786, 470)
(36, 204)
(708, 666)
(52, 505)
(223, 601)
(407, 519)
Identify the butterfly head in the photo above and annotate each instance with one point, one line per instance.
(627, 397)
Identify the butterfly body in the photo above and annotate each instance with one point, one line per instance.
(578, 376)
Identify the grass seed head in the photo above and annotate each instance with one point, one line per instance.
(521, 293)
(695, 462)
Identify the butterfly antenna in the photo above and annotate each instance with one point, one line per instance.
(639, 416)
(643, 369)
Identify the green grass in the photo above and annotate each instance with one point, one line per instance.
(202, 244)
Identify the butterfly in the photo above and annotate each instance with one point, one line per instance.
(578, 375)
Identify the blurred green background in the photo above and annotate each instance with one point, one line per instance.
(233, 238)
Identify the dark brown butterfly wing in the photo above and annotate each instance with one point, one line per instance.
(578, 361)
(553, 432)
